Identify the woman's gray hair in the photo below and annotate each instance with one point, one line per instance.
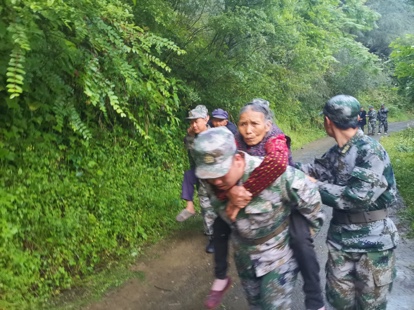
(259, 105)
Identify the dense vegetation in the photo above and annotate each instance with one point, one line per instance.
(401, 148)
(93, 94)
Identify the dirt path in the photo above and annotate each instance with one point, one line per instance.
(178, 274)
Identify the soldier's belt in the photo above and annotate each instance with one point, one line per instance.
(262, 240)
(340, 217)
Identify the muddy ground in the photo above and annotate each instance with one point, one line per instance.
(178, 273)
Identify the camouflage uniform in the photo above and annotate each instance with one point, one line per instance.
(382, 117)
(208, 213)
(354, 180)
(264, 259)
(372, 121)
(206, 210)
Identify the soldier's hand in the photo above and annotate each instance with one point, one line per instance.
(190, 131)
(312, 179)
(239, 196)
(232, 211)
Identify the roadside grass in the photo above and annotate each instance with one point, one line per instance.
(400, 116)
(302, 133)
(400, 147)
(94, 287)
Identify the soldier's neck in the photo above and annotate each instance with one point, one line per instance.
(343, 136)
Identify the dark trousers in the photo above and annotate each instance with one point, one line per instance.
(221, 234)
(302, 245)
(187, 187)
(383, 124)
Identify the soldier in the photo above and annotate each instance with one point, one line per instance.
(356, 179)
(263, 257)
(198, 118)
(372, 120)
(383, 119)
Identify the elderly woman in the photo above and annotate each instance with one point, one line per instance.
(259, 136)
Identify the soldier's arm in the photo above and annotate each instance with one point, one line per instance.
(320, 169)
(365, 184)
(305, 196)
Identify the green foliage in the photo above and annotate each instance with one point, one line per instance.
(397, 19)
(403, 59)
(352, 73)
(63, 57)
(400, 148)
(279, 50)
(68, 211)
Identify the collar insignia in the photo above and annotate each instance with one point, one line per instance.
(345, 149)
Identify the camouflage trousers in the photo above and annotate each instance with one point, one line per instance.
(383, 124)
(359, 280)
(271, 291)
(207, 211)
(372, 127)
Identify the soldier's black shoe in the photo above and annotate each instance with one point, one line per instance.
(210, 247)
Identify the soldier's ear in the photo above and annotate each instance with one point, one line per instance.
(238, 160)
(327, 120)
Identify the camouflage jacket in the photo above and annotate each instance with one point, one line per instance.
(266, 212)
(372, 115)
(355, 178)
(382, 114)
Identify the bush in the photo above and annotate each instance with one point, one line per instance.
(400, 147)
(66, 212)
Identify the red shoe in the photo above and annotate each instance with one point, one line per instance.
(214, 298)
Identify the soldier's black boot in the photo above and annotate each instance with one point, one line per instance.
(210, 245)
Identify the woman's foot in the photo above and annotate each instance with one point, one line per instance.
(184, 215)
(219, 287)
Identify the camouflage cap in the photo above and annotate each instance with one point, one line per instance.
(199, 111)
(370, 107)
(213, 153)
(343, 110)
